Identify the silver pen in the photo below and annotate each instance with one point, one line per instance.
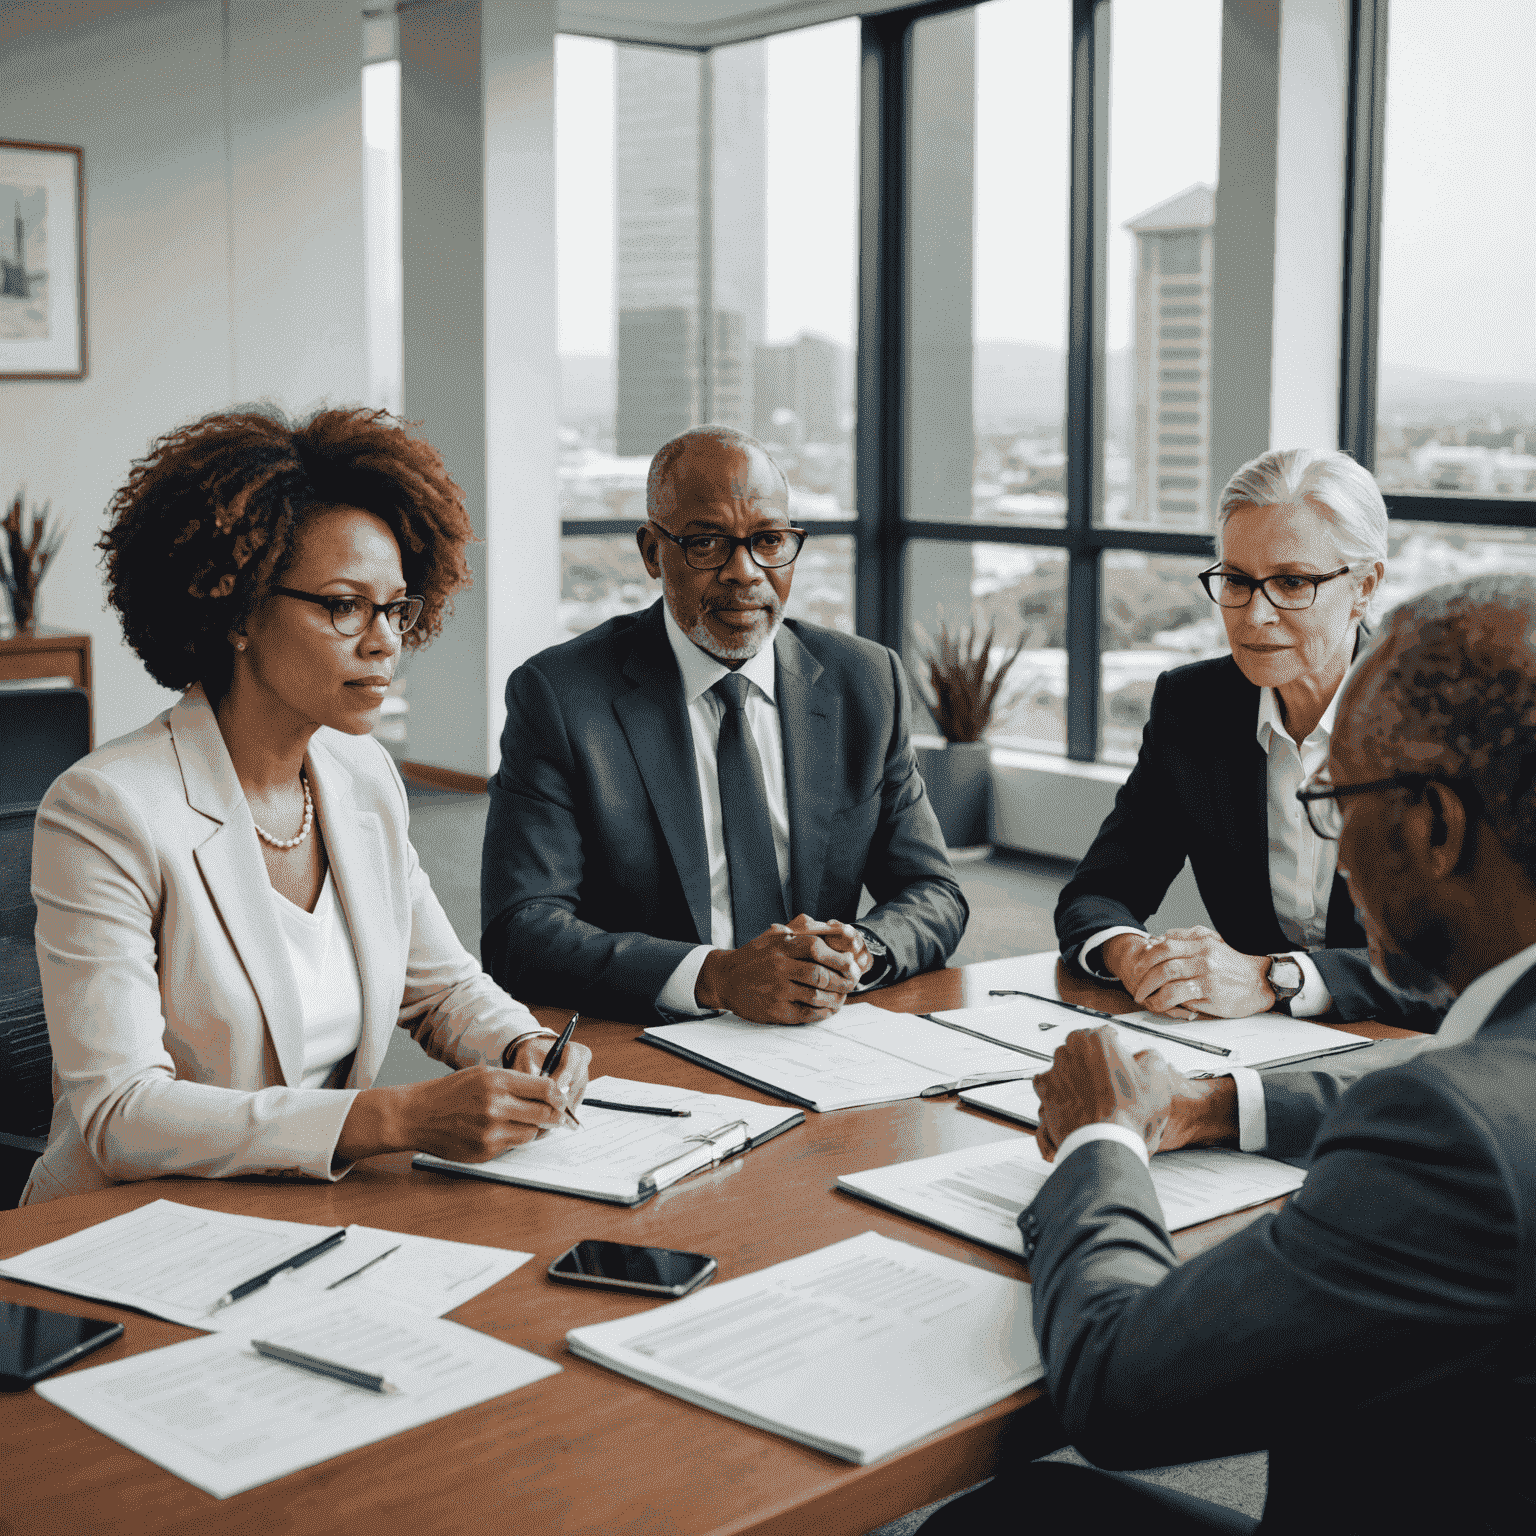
(319, 1367)
(369, 1265)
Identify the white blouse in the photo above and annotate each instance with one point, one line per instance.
(325, 967)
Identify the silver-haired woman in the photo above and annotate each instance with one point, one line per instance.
(1303, 545)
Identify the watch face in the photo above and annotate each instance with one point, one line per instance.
(1285, 976)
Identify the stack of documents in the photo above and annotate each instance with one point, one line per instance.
(861, 1055)
(980, 1192)
(1190, 1045)
(860, 1349)
(625, 1158)
(226, 1419)
(174, 1261)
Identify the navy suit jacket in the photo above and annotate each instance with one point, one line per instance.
(1377, 1336)
(595, 876)
(1198, 792)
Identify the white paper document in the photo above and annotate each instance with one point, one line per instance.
(1263, 1040)
(225, 1419)
(1018, 1101)
(859, 1349)
(980, 1192)
(625, 1158)
(174, 1261)
(861, 1055)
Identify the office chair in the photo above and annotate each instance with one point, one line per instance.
(26, 1062)
(42, 731)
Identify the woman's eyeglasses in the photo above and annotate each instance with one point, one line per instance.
(1288, 590)
(351, 615)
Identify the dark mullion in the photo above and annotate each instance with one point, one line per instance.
(882, 328)
(1085, 372)
(1147, 540)
(1363, 175)
(1482, 511)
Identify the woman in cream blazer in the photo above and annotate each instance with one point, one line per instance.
(182, 1033)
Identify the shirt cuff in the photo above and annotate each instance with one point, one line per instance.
(1101, 938)
(1314, 997)
(1252, 1124)
(1103, 1130)
(677, 996)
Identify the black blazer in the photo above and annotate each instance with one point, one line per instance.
(1198, 792)
(1377, 1336)
(595, 878)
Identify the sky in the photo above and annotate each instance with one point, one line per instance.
(1460, 194)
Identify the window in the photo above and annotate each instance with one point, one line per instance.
(706, 219)
(1456, 369)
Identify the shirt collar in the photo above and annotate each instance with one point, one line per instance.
(701, 671)
(1271, 725)
(1470, 1011)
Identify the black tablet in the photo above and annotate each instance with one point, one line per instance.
(34, 1342)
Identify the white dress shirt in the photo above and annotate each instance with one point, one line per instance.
(700, 672)
(325, 967)
(1301, 864)
(1462, 1021)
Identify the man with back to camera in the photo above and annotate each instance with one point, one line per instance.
(1378, 1336)
(676, 782)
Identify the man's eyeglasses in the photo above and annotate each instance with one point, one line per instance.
(1320, 797)
(770, 549)
(350, 615)
(1288, 590)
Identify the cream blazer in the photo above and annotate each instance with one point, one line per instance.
(174, 1015)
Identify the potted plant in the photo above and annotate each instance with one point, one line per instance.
(24, 557)
(961, 697)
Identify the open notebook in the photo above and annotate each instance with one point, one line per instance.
(625, 1158)
(861, 1055)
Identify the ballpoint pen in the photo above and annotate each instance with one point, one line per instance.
(1098, 1013)
(556, 1051)
(255, 1283)
(640, 1109)
(319, 1367)
(369, 1265)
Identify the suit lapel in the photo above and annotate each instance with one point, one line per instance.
(810, 724)
(231, 865)
(655, 723)
(354, 844)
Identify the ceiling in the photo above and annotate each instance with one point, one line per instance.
(706, 23)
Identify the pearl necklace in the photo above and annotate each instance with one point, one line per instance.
(309, 816)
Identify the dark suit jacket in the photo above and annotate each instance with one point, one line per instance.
(595, 880)
(1378, 1336)
(1198, 792)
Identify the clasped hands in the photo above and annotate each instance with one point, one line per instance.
(1190, 973)
(793, 973)
(1093, 1078)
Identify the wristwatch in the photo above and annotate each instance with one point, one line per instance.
(1285, 979)
(879, 952)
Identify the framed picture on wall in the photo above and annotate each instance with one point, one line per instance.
(42, 262)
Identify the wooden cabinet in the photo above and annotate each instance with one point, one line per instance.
(48, 652)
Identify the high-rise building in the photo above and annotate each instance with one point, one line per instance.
(1175, 242)
(691, 194)
(803, 376)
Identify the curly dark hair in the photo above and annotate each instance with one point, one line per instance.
(210, 519)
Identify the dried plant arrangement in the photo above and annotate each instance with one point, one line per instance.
(30, 543)
(962, 695)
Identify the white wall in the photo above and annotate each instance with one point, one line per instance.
(223, 250)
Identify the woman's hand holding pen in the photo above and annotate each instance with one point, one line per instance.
(468, 1116)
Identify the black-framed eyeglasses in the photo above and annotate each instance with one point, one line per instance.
(1288, 589)
(351, 615)
(1320, 797)
(770, 548)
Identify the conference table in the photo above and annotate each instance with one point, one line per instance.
(586, 1450)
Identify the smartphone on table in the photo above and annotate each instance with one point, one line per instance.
(34, 1343)
(630, 1267)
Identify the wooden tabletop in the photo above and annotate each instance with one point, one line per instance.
(586, 1450)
